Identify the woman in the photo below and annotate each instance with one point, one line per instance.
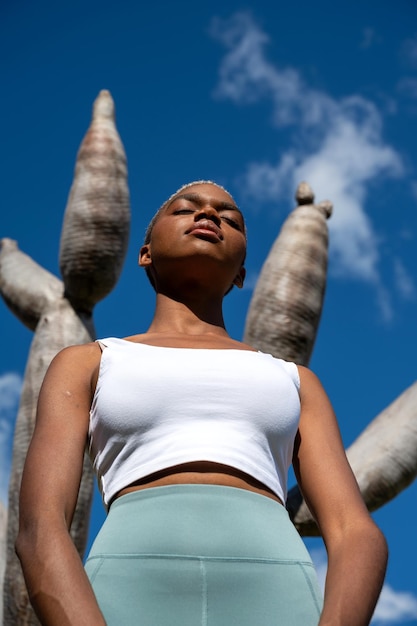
(191, 434)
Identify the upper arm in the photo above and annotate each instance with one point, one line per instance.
(320, 464)
(54, 461)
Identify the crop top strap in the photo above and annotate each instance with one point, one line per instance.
(101, 344)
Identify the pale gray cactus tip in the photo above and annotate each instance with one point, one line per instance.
(304, 194)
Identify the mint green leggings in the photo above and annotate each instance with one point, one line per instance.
(202, 555)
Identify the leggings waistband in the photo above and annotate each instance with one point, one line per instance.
(205, 520)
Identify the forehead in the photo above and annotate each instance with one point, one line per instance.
(206, 192)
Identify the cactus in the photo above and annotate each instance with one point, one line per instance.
(285, 309)
(283, 319)
(93, 245)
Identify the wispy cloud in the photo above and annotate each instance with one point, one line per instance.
(369, 38)
(414, 189)
(319, 558)
(337, 146)
(10, 387)
(393, 606)
(251, 280)
(404, 281)
(407, 85)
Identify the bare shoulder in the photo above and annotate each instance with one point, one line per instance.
(75, 365)
(310, 384)
(80, 354)
(307, 374)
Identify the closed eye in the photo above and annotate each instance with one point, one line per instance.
(183, 211)
(231, 222)
(225, 218)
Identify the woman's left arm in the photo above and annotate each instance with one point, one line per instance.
(356, 548)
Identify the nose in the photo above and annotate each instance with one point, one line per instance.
(207, 212)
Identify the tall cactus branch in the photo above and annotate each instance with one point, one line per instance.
(383, 459)
(283, 319)
(93, 246)
(286, 306)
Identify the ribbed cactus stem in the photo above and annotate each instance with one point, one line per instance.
(26, 287)
(58, 327)
(96, 222)
(384, 456)
(93, 245)
(103, 107)
(383, 459)
(286, 306)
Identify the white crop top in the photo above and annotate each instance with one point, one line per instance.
(156, 407)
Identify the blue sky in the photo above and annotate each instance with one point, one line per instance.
(258, 97)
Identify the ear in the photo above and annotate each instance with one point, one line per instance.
(145, 258)
(240, 278)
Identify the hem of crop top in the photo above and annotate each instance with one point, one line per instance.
(134, 474)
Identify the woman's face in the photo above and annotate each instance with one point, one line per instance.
(201, 225)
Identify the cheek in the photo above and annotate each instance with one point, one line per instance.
(161, 235)
(240, 250)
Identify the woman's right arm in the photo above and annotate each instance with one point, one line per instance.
(58, 587)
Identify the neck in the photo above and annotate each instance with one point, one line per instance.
(187, 318)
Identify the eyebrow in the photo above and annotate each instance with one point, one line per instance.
(220, 205)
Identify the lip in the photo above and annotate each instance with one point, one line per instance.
(206, 228)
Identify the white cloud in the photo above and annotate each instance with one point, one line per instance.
(342, 149)
(404, 281)
(414, 189)
(350, 156)
(393, 606)
(10, 388)
(319, 558)
(251, 280)
(245, 75)
(369, 38)
(268, 182)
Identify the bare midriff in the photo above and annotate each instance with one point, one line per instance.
(201, 473)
